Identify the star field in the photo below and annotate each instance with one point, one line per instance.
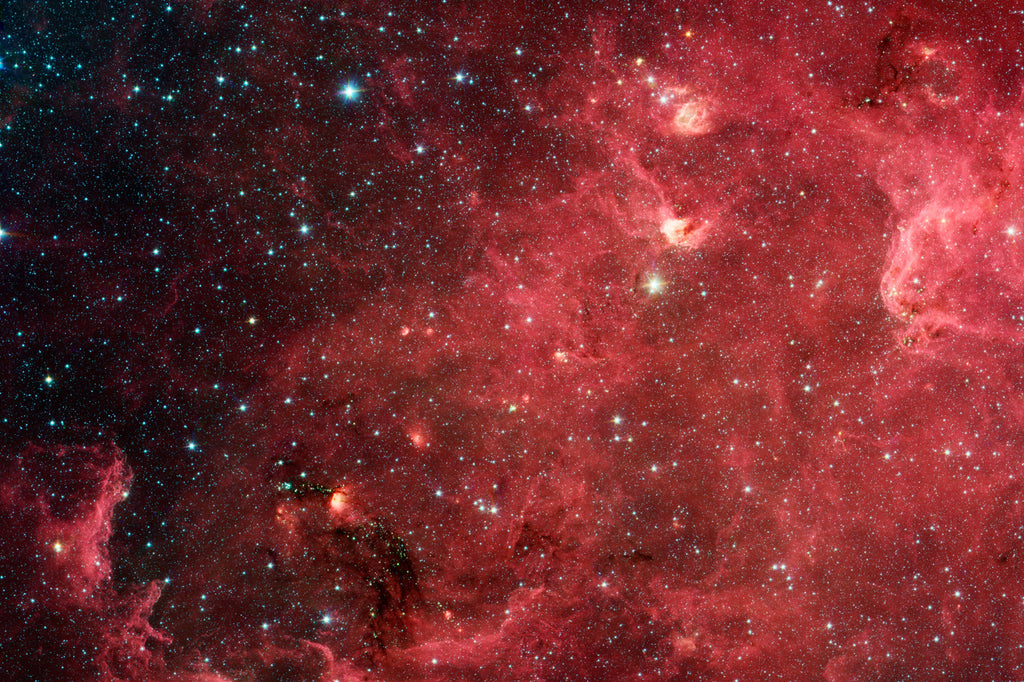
(522, 341)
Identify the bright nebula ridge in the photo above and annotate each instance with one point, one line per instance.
(368, 341)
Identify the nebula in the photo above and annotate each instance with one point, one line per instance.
(363, 341)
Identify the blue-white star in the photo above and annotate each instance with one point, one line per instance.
(350, 92)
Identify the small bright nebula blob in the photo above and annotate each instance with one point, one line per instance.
(692, 113)
(686, 232)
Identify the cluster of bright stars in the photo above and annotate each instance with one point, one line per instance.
(350, 91)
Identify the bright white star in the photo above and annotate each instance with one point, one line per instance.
(350, 92)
